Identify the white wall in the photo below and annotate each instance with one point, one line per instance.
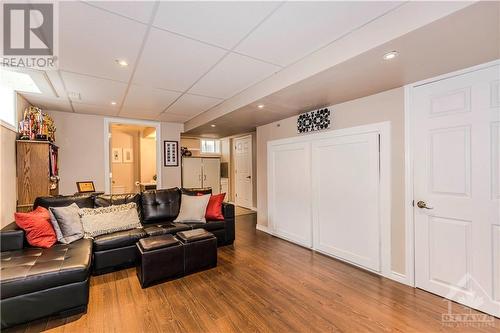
(80, 138)
(385, 106)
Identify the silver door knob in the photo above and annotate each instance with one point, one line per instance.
(422, 204)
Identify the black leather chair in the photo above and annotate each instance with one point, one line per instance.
(36, 282)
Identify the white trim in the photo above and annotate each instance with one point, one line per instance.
(384, 130)
(409, 277)
(8, 126)
(248, 136)
(263, 228)
(159, 145)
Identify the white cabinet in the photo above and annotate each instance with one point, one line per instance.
(328, 192)
(201, 172)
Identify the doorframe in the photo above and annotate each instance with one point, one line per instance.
(409, 122)
(251, 207)
(149, 123)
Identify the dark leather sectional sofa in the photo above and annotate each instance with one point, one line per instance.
(35, 282)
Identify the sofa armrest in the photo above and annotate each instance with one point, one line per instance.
(11, 237)
(228, 212)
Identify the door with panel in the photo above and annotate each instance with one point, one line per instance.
(243, 172)
(290, 191)
(456, 176)
(211, 174)
(345, 201)
(192, 175)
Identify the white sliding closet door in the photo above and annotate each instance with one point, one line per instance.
(289, 192)
(346, 217)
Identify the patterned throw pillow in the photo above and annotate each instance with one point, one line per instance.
(106, 220)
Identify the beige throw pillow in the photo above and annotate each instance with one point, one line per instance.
(193, 208)
(105, 220)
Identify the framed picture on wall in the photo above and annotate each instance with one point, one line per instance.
(128, 156)
(116, 155)
(170, 153)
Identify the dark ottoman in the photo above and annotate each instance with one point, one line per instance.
(160, 258)
(200, 249)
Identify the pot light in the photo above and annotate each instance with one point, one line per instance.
(113, 103)
(390, 55)
(260, 106)
(121, 62)
(213, 125)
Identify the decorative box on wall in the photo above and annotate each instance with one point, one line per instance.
(314, 121)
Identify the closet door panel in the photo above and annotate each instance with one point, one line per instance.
(191, 172)
(345, 178)
(211, 174)
(289, 192)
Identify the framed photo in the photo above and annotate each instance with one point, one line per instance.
(170, 153)
(85, 187)
(128, 155)
(116, 155)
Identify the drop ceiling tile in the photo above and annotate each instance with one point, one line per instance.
(90, 40)
(137, 113)
(191, 105)
(299, 28)
(94, 90)
(94, 109)
(173, 118)
(48, 103)
(145, 98)
(136, 10)
(232, 75)
(172, 62)
(222, 23)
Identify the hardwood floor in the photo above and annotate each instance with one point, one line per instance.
(261, 284)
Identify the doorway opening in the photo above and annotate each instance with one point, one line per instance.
(132, 157)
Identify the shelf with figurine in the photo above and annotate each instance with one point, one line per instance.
(36, 126)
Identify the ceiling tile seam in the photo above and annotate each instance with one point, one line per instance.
(93, 76)
(222, 58)
(65, 90)
(322, 47)
(347, 34)
(139, 55)
(113, 13)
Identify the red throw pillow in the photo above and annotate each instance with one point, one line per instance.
(214, 208)
(36, 224)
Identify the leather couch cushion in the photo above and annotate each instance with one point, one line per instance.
(165, 228)
(209, 226)
(196, 191)
(118, 239)
(34, 269)
(105, 200)
(160, 205)
(83, 201)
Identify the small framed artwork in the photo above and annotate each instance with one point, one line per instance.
(128, 156)
(116, 155)
(170, 153)
(85, 187)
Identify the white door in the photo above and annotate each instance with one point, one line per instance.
(192, 172)
(289, 192)
(346, 217)
(456, 176)
(243, 171)
(211, 174)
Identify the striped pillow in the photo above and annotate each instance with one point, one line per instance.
(106, 220)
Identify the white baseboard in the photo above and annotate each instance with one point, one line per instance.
(262, 228)
(401, 278)
(254, 209)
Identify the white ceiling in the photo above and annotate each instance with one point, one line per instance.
(185, 57)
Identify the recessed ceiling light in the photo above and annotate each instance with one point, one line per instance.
(391, 55)
(122, 62)
(113, 103)
(213, 125)
(260, 106)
